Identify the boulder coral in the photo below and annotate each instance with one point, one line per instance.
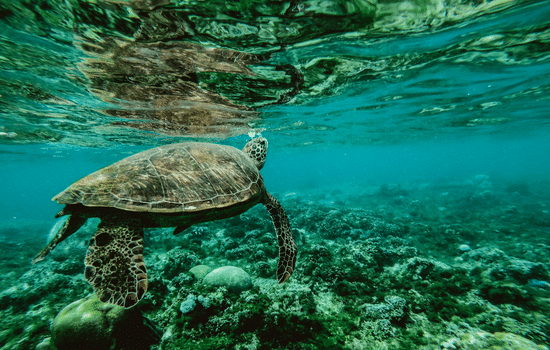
(91, 324)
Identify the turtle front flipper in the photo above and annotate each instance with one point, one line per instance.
(114, 262)
(181, 228)
(72, 223)
(287, 246)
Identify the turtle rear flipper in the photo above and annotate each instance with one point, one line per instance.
(70, 226)
(114, 263)
(287, 246)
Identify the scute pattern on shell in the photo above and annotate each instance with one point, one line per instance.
(180, 177)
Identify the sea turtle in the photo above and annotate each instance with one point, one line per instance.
(176, 185)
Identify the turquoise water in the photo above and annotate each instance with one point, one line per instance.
(408, 143)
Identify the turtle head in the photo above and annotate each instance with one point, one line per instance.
(256, 149)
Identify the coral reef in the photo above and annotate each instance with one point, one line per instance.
(410, 266)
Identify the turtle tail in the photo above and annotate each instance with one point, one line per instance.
(287, 246)
(114, 262)
(70, 226)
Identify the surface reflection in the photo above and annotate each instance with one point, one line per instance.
(155, 85)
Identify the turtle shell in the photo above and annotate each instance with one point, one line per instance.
(181, 177)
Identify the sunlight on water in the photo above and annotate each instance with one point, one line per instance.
(118, 73)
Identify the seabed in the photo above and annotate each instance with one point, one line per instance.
(460, 265)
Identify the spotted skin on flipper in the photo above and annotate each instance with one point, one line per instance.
(114, 263)
(287, 246)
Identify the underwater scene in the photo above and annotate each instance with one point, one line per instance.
(317, 174)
